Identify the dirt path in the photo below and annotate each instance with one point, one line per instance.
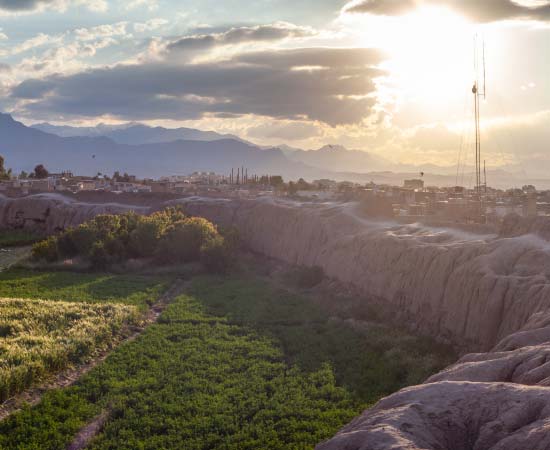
(68, 377)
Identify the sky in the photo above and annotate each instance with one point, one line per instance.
(391, 77)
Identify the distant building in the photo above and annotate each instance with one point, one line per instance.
(530, 206)
(414, 184)
(162, 187)
(86, 185)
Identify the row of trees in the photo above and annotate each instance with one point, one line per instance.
(168, 237)
(40, 172)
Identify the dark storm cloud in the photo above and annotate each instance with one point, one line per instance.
(476, 10)
(240, 35)
(23, 5)
(270, 83)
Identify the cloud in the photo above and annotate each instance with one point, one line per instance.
(263, 83)
(150, 5)
(5, 68)
(37, 41)
(101, 31)
(150, 25)
(238, 35)
(27, 6)
(477, 10)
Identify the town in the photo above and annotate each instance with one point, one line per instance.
(410, 202)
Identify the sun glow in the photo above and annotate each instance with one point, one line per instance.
(430, 56)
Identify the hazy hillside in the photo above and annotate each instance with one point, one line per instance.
(24, 147)
(134, 133)
(339, 159)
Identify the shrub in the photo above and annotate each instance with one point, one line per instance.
(183, 240)
(216, 255)
(168, 234)
(144, 239)
(231, 237)
(99, 258)
(46, 250)
(66, 244)
(83, 238)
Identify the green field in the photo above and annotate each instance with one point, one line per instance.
(370, 363)
(52, 320)
(17, 238)
(41, 337)
(137, 290)
(236, 364)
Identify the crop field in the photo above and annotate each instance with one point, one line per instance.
(234, 364)
(41, 337)
(52, 320)
(17, 238)
(137, 290)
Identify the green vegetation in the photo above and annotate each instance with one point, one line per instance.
(137, 290)
(191, 381)
(41, 337)
(236, 364)
(17, 238)
(370, 362)
(305, 277)
(167, 236)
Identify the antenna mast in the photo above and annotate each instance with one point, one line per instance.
(479, 92)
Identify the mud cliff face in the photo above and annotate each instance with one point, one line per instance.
(473, 290)
(51, 212)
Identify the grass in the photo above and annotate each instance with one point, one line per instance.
(192, 381)
(137, 290)
(371, 361)
(235, 364)
(41, 337)
(17, 238)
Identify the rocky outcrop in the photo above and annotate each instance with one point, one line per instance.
(453, 416)
(52, 212)
(498, 400)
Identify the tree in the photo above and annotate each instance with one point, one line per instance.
(40, 172)
(23, 175)
(3, 174)
(276, 180)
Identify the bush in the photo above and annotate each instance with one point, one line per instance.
(66, 245)
(216, 255)
(183, 240)
(168, 234)
(83, 238)
(144, 239)
(46, 250)
(99, 258)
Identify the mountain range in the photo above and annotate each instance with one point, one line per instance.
(135, 133)
(155, 151)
